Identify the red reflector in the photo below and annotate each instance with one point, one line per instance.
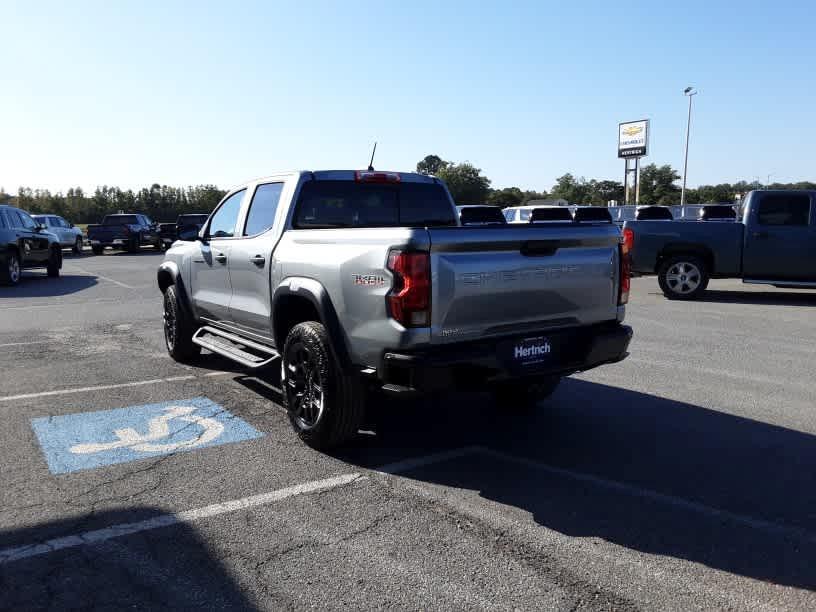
(366, 176)
(409, 301)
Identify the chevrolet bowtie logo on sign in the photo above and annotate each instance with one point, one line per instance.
(633, 138)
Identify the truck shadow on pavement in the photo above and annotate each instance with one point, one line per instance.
(763, 298)
(171, 568)
(33, 284)
(650, 474)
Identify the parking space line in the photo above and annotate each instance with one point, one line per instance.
(9, 555)
(670, 500)
(138, 383)
(407, 465)
(7, 344)
(110, 280)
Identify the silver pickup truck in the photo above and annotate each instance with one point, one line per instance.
(364, 280)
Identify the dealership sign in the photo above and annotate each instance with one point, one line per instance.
(633, 138)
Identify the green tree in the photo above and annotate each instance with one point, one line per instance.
(509, 196)
(657, 185)
(466, 183)
(574, 191)
(600, 192)
(432, 164)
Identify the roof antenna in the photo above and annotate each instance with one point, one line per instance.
(371, 163)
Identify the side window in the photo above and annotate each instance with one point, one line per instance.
(3, 222)
(28, 222)
(262, 209)
(223, 222)
(784, 209)
(13, 219)
(525, 214)
(54, 222)
(510, 215)
(147, 220)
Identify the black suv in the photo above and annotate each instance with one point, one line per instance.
(25, 244)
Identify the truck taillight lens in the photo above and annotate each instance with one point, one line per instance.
(370, 176)
(409, 301)
(625, 265)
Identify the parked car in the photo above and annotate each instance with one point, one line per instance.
(366, 280)
(475, 214)
(550, 214)
(192, 222)
(717, 212)
(775, 244)
(68, 234)
(124, 231)
(653, 213)
(24, 244)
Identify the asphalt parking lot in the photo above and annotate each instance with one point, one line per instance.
(681, 478)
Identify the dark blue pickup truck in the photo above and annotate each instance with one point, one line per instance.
(775, 244)
(124, 231)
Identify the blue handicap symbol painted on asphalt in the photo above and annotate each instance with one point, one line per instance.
(89, 440)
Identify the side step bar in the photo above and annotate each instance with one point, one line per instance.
(235, 347)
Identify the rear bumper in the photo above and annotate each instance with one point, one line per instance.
(479, 365)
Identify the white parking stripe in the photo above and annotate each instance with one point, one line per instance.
(9, 555)
(670, 500)
(139, 383)
(26, 343)
(110, 280)
(411, 464)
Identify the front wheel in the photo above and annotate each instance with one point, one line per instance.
(521, 395)
(54, 262)
(78, 246)
(683, 277)
(325, 407)
(10, 273)
(178, 328)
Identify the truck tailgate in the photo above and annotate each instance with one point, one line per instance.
(495, 281)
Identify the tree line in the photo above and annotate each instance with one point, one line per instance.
(658, 185)
(159, 202)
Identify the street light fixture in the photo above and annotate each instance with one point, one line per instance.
(689, 92)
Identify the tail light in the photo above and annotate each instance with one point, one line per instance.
(409, 301)
(626, 265)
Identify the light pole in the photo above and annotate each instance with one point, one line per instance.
(690, 92)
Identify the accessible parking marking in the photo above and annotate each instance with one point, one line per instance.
(89, 440)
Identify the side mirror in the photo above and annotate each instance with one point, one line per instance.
(39, 228)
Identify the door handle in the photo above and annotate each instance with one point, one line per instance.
(258, 260)
(220, 258)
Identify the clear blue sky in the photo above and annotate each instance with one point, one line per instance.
(130, 93)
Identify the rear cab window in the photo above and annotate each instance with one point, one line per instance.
(120, 220)
(791, 209)
(324, 204)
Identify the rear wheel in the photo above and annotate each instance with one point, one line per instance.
(683, 277)
(10, 272)
(521, 395)
(97, 249)
(78, 246)
(133, 244)
(325, 407)
(54, 262)
(178, 328)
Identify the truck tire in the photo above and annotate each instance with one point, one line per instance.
(54, 262)
(97, 249)
(134, 244)
(78, 246)
(683, 277)
(178, 329)
(521, 395)
(325, 407)
(11, 272)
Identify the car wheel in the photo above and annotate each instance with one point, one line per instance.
(133, 245)
(10, 273)
(78, 246)
(325, 407)
(97, 250)
(178, 328)
(54, 262)
(683, 277)
(521, 395)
